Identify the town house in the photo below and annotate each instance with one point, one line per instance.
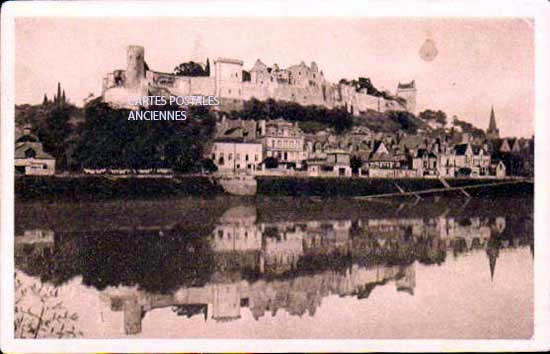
(283, 140)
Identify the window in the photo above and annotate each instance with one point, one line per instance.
(230, 157)
(246, 157)
(45, 167)
(238, 157)
(256, 157)
(220, 234)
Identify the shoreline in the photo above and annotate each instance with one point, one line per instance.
(100, 188)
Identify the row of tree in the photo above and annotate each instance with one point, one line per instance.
(192, 68)
(337, 118)
(108, 139)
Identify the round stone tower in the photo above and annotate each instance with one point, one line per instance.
(135, 71)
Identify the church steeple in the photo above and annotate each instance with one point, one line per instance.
(492, 132)
(492, 253)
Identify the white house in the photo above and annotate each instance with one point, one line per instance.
(237, 156)
(30, 158)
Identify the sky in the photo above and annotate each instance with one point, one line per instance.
(480, 62)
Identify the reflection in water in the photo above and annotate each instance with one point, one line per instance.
(261, 264)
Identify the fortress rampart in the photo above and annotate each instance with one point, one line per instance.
(228, 80)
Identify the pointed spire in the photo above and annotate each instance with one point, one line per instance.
(45, 99)
(492, 132)
(492, 254)
(63, 97)
(492, 123)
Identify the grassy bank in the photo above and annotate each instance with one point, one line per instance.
(28, 188)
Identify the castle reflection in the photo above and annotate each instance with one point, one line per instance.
(247, 263)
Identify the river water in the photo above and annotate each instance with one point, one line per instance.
(275, 268)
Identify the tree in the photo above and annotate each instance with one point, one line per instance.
(438, 116)
(336, 118)
(58, 96)
(209, 166)
(53, 132)
(469, 128)
(45, 101)
(109, 139)
(271, 162)
(406, 120)
(189, 69)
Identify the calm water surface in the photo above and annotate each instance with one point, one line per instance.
(277, 268)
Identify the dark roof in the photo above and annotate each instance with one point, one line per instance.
(27, 138)
(421, 152)
(229, 140)
(460, 149)
(377, 144)
(384, 157)
(409, 85)
(476, 149)
(22, 147)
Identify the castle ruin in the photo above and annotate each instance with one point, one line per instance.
(303, 84)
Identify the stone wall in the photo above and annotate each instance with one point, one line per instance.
(298, 83)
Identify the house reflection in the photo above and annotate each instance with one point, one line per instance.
(266, 266)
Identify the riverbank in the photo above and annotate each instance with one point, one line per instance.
(96, 188)
(52, 188)
(354, 187)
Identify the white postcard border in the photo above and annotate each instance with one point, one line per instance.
(537, 9)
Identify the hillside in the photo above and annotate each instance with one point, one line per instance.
(34, 114)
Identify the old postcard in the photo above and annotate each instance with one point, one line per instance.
(340, 177)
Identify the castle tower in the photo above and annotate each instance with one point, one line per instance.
(135, 71)
(492, 132)
(408, 92)
(228, 77)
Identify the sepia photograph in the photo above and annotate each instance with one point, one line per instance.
(273, 178)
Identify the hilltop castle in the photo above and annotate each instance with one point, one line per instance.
(228, 80)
